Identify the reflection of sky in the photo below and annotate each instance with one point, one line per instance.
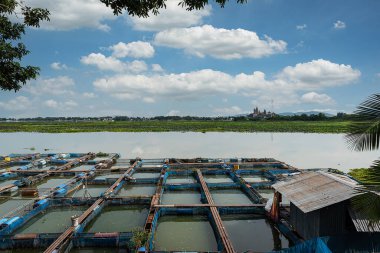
(297, 149)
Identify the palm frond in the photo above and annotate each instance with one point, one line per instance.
(368, 176)
(364, 132)
(368, 205)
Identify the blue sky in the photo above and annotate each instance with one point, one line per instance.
(286, 55)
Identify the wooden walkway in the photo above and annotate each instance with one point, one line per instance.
(215, 214)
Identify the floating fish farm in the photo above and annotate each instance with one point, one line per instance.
(74, 202)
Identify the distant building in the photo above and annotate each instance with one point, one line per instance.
(260, 114)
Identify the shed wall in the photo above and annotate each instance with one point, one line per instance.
(306, 224)
(328, 221)
(333, 219)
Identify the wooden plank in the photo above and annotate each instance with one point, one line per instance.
(215, 214)
(208, 205)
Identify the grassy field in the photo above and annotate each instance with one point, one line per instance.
(178, 126)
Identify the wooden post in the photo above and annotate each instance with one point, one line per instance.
(275, 210)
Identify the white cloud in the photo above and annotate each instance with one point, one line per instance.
(17, 104)
(70, 104)
(317, 74)
(113, 64)
(51, 86)
(173, 113)
(67, 105)
(74, 14)
(172, 16)
(301, 27)
(136, 49)
(137, 66)
(157, 68)
(89, 95)
(149, 100)
(219, 43)
(315, 98)
(283, 88)
(339, 25)
(102, 62)
(233, 110)
(51, 103)
(58, 66)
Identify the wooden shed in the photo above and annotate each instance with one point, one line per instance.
(320, 204)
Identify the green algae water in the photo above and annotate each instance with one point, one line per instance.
(28, 250)
(217, 179)
(98, 250)
(254, 178)
(9, 205)
(118, 219)
(180, 180)
(109, 176)
(252, 232)
(230, 197)
(82, 167)
(181, 197)
(148, 165)
(266, 193)
(92, 191)
(51, 182)
(141, 175)
(7, 182)
(137, 190)
(184, 233)
(54, 220)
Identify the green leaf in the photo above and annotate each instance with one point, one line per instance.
(368, 205)
(364, 132)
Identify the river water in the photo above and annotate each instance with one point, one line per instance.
(297, 149)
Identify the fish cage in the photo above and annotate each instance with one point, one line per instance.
(83, 203)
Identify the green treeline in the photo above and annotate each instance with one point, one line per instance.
(311, 126)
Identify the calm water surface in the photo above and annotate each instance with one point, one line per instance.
(180, 180)
(55, 220)
(298, 149)
(248, 232)
(230, 197)
(90, 191)
(184, 233)
(118, 219)
(181, 197)
(137, 190)
(9, 205)
(98, 250)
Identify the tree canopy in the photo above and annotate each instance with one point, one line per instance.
(142, 8)
(12, 74)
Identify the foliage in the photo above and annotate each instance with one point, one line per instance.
(364, 134)
(140, 237)
(142, 8)
(101, 154)
(12, 74)
(366, 176)
(177, 126)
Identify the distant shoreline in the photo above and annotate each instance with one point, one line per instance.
(177, 126)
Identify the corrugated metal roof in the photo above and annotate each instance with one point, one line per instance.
(361, 223)
(313, 190)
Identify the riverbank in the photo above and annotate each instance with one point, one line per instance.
(177, 126)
